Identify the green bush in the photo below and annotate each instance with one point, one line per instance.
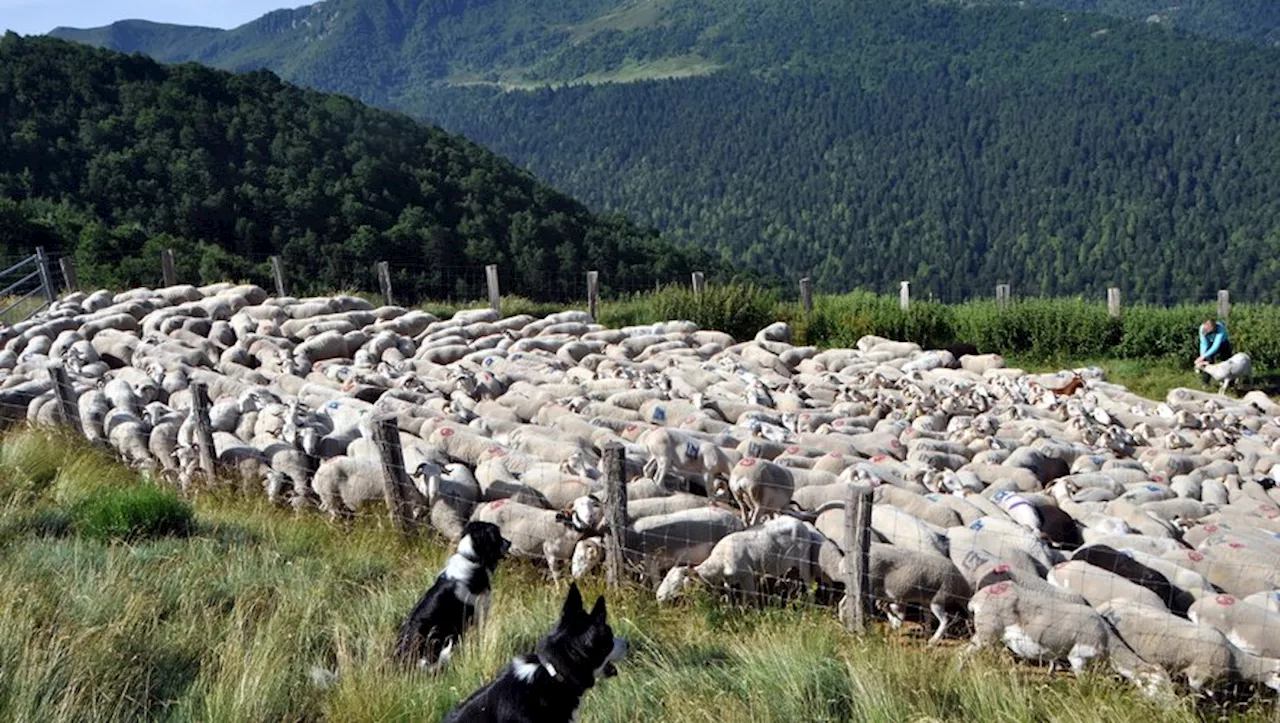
(132, 513)
(1152, 331)
(1040, 328)
(739, 310)
(1255, 329)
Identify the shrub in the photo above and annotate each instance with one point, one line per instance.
(1040, 328)
(739, 310)
(1152, 331)
(132, 513)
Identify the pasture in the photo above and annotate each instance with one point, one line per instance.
(224, 620)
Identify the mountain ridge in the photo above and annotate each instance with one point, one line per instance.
(860, 143)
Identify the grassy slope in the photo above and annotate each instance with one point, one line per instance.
(226, 624)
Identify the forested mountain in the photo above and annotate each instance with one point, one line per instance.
(114, 157)
(954, 144)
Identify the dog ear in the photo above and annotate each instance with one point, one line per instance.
(598, 612)
(572, 604)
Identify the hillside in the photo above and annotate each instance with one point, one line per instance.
(113, 157)
(955, 145)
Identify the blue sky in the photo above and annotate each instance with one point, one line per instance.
(33, 17)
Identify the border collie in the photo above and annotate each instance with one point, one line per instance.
(547, 686)
(461, 591)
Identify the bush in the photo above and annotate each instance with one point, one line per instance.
(133, 513)
(739, 310)
(1152, 331)
(1040, 328)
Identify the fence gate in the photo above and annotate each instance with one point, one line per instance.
(28, 288)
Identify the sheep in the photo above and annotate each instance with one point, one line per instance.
(1129, 567)
(660, 542)
(1037, 627)
(451, 493)
(760, 488)
(1252, 628)
(546, 534)
(345, 484)
(1198, 653)
(1237, 366)
(903, 577)
(741, 559)
(1098, 585)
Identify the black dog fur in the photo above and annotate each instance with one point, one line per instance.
(449, 607)
(547, 686)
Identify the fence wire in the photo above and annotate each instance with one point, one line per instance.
(1056, 515)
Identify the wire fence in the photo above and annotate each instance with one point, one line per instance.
(422, 282)
(1059, 516)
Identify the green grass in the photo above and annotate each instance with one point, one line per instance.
(227, 623)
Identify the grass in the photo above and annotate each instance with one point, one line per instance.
(227, 623)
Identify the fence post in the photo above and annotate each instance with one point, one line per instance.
(806, 295)
(1002, 295)
(395, 480)
(904, 295)
(1224, 304)
(384, 281)
(68, 412)
(203, 429)
(615, 512)
(277, 271)
(1113, 302)
(699, 282)
(593, 295)
(167, 268)
(495, 294)
(68, 266)
(46, 277)
(857, 559)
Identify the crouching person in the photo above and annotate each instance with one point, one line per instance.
(1214, 346)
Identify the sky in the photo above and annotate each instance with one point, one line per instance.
(36, 17)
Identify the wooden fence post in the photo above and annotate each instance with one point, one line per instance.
(203, 429)
(277, 272)
(1002, 295)
(495, 294)
(384, 281)
(1224, 304)
(615, 512)
(699, 282)
(167, 268)
(1113, 302)
(68, 266)
(593, 295)
(68, 411)
(395, 479)
(857, 559)
(904, 295)
(806, 295)
(46, 275)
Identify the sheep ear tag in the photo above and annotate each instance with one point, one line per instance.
(446, 432)
(747, 461)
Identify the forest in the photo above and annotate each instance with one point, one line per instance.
(111, 158)
(953, 145)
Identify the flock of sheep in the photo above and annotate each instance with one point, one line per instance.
(1060, 516)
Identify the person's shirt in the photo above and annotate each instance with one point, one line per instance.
(1211, 342)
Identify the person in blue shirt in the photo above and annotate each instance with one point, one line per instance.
(1214, 344)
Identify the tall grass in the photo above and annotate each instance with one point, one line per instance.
(1037, 329)
(231, 623)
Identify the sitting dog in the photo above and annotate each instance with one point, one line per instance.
(434, 628)
(547, 686)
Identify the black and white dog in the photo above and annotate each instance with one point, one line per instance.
(547, 686)
(461, 591)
